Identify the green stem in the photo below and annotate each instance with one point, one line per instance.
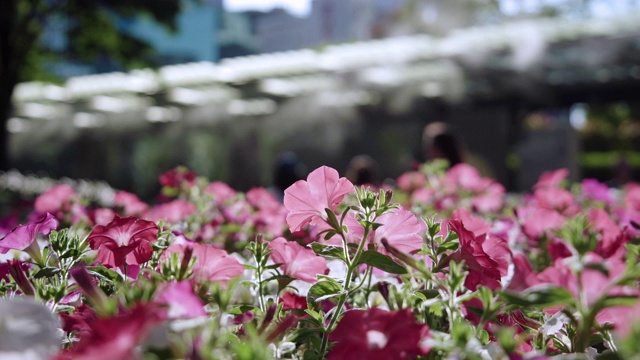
(347, 282)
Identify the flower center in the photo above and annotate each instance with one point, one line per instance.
(376, 339)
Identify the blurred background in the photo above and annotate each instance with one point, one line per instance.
(103, 90)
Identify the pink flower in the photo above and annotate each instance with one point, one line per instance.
(410, 181)
(490, 199)
(212, 265)
(612, 238)
(551, 179)
(597, 191)
(221, 192)
(102, 216)
(474, 224)
(22, 236)
(402, 230)
(181, 300)
(130, 203)
(560, 200)
(123, 241)
(307, 200)
(115, 337)
(173, 212)
(56, 200)
(464, 177)
(376, 334)
(261, 198)
(487, 257)
(297, 261)
(537, 222)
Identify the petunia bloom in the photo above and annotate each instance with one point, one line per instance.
(297, 261)
(401, 228)
(23, 237)
(124, 241)
(486, 256)
(56, 200)
(181, 300)
(212, 265)
(307, 200)
(378, 334)
(130, 203)
(116, 337)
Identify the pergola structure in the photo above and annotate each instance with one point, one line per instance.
(546, 62)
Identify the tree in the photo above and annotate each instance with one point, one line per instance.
(91, 29)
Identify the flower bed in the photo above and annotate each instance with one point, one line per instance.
(445, 265)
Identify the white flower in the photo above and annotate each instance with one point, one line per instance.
(28, 330)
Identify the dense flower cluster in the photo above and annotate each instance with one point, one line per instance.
(445, 265)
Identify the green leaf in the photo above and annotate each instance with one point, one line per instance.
(539, 297)
(328, 250)
(323, 290)
(241, 309)
(46, 272)
(382, 262)
(103, 273)
(620, 300)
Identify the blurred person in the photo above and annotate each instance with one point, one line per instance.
(363, 170)
(287, 169)
(622, 173)
(439, 141)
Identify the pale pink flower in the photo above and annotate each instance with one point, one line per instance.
(307, 200)
(56, 200)
(221, 192)
(551, 179)
(130, 203)
(102, 216)
(401, 228)
(181, 300)
(212, 265)
(297, 261)
(537, 222)
(411, 180)
(172, 212)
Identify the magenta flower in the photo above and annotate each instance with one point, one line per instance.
(116, 337)
(612, 239)
(124, 241)
(377, 334)
(487, 257)
(212, 265)
(597, 191)
(176, 177)
(307, 200)
(23, 237)
(181, 300)
(297, 261)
